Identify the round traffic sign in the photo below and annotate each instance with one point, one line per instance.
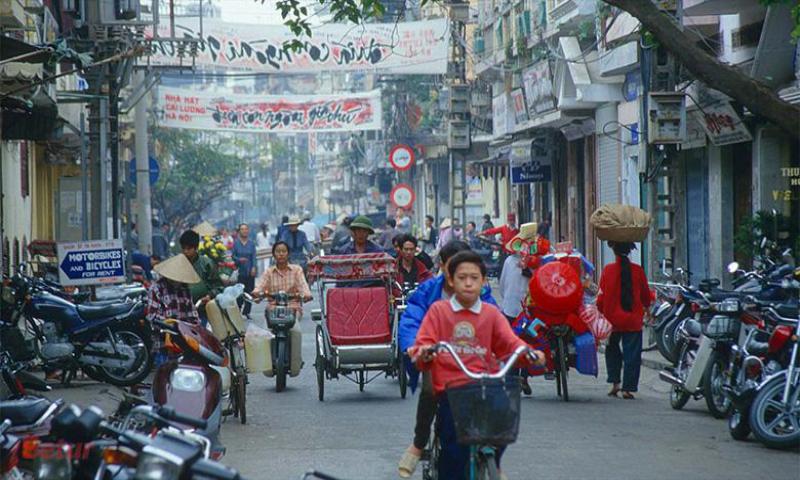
(402, 196)
(401, 157)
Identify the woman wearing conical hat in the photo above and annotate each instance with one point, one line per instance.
(169, 296)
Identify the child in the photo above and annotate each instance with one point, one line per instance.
(481, 334)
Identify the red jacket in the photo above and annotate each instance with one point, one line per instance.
(608, 300)
(506, 234)
(422, 271)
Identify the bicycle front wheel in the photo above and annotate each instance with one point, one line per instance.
(486, 467)
(563, 366)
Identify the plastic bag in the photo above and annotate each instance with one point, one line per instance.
(600, 327)
(228, 296)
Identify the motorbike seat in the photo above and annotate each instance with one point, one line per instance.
(708, 284)
(97, 312)
(787, 310)
(23, 411)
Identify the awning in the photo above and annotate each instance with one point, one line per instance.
(11, 48)
(29, 119)
(16, 75)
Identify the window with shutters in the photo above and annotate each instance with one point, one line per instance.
(23, 168)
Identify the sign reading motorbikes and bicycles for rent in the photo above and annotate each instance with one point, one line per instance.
(93, 262)
(419, 47)
(204, 110)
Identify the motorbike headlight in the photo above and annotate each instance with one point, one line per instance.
(187, 380)
(729, 305)
(154, 467)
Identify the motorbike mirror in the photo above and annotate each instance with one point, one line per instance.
(733, 267)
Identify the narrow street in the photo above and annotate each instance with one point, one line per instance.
(359, 436)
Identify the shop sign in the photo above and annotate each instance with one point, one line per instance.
(538, 84)
(518, 104)
(474, 189)
(722, 124)
(91, 263)
(529, 163)
(792, 192)
(500, 115)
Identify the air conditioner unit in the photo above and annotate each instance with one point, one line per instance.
(459, 99)
(458, 135)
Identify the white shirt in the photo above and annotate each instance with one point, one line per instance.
(513, 287)
(263, 241)
(457, 307)
(311, 230)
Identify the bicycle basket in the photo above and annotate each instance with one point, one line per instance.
(721, 326)
(486, 413)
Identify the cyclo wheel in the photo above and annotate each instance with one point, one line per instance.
(319, 366)
(562, 361)
(241, 394)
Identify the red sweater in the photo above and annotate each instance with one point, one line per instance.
(608, 300)
(506, 234)
(479, 339)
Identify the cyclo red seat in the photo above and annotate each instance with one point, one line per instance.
(358, 316)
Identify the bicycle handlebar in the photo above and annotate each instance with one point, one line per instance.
(484, 376)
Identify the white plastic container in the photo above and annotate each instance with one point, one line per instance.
(257, 349)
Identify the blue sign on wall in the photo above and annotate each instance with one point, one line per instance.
(91, 263)
(530, 173)
(155, 170)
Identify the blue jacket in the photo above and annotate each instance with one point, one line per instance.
(418, 304)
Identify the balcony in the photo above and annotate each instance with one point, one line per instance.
(561, 12)
(12, 14)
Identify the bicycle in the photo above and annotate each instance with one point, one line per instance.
(478, 421)
(234, 344)
(559, 342)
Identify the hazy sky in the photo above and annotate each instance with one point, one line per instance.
(250, 11)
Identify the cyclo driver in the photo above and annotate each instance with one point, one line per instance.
(481, 334)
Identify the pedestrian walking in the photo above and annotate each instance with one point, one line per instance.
(264, 242)
(403, 221)
(623, 299)
(429, 236)
(487, 222)
(244, 256)
(390, 231)
(159, 239)
(311, 230)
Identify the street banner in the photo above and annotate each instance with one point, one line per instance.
(391, 48)
(722, 124)
(94, 262)
(207, 110)
(538, 85)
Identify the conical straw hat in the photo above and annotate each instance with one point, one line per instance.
(527, 233)
(178, 269)
(205, 229)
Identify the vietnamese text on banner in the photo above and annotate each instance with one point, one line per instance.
(206, 110)
(394, 48)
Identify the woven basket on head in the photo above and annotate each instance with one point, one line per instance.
(620, 223)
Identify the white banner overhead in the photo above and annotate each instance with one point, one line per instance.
(198, 110)
(392, 48)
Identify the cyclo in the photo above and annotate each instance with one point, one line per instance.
(356, 334)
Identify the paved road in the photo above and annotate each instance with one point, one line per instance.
(362, 435)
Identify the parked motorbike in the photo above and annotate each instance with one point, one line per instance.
(281, 320)
(109, 342)
(195, 382)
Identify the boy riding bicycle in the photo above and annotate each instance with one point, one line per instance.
(480, 335)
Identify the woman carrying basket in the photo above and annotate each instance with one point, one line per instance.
(481, 336)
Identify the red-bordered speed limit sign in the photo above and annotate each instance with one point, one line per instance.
(401, 157)
(402, 196)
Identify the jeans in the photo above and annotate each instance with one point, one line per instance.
(426, 411)
(630, 355)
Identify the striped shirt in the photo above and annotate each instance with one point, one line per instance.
(291, 280)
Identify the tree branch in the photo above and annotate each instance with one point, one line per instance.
(757, 97)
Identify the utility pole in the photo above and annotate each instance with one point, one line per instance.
(143, 210)
(459, 124)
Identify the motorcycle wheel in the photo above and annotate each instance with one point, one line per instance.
(678, 397)
(142, 366)
(771, 425)
(666, 342)
(280, 367)
(718, 404)
(738, 425)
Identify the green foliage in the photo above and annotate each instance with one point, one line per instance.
(795, 12)
(194, 173)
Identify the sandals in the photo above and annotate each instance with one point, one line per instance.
(613, 392)
(628, 396)
(407, 465)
